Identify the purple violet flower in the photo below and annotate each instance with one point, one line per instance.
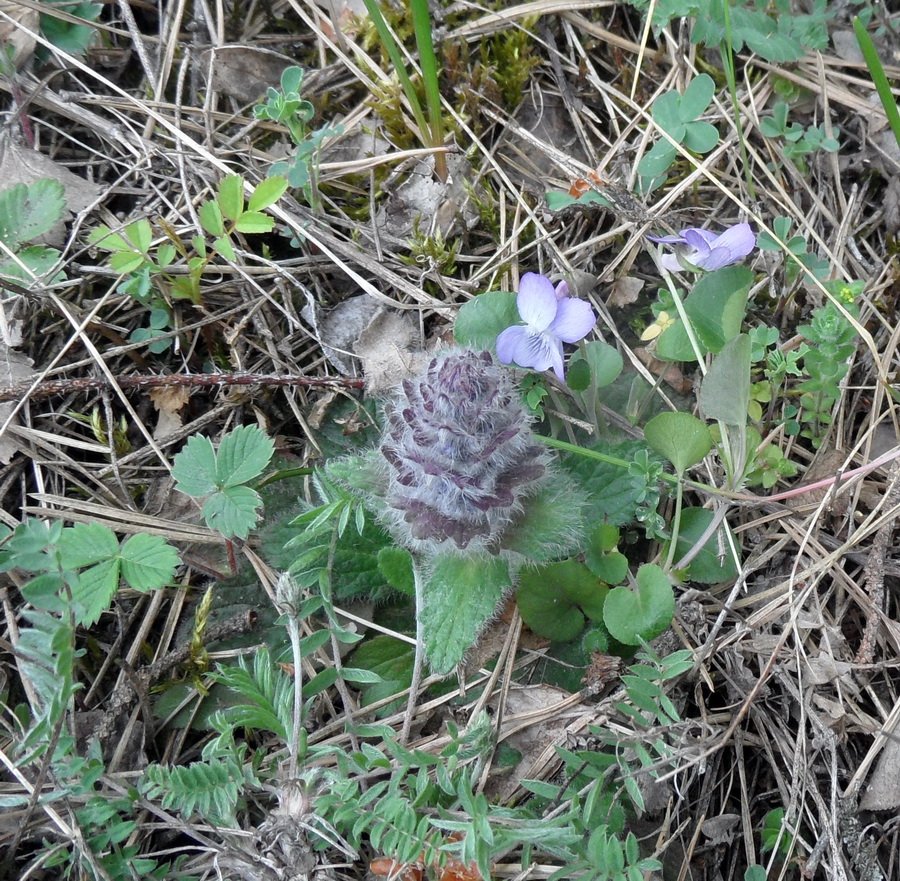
(551, 318)
(701, 249)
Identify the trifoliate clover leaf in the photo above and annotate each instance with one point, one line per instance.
(146, 562)
(243, 454)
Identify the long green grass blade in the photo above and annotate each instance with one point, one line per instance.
(873, 62)
(393, 51)
(428, 62)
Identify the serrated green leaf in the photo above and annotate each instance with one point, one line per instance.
(224, 247)
(124, 262)
(210, 215)
(86, 543)
(27, 212)
(267, 193)
(243, 454)
(231, 196)
(94, 590)
(102, 237)
(233, 511)
(140, 234)
(46, 592)
(251, 222)
(194, 468)
(460, 596)
(148, 562)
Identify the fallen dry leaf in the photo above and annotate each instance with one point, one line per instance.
(12, 33)
(883, 790)
(244, 72)
(14, 368)
(169, 400)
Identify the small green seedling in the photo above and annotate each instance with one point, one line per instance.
(171, 269)
(678, 116)
(800, 142)
(287, 107)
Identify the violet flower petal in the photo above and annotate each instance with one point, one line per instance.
(536, 301)
(508, 344)
(574, 320)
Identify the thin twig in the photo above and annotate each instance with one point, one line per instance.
(53, 387)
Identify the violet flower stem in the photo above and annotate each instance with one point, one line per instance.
(419, 652)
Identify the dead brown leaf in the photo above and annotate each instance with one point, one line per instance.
(12, 33)
(169, 400)
(883, 791)
(244, 72)
(14, 368)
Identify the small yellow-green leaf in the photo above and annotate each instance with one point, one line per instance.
(231, 196)
(103, 238)
(268, 193)
(211, 218)
(140, 234)
(254, 222)
(224, 247)
(165, 254)
(125, 261)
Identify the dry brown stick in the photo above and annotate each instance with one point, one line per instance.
(51, 387)
(874, 571)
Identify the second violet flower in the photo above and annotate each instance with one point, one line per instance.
(701, 249)
(551, 318)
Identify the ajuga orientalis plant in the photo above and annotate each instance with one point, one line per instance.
(461, 481)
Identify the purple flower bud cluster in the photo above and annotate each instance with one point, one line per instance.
(461, 455)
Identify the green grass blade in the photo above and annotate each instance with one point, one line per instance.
(393, 51)
(428, 62)
(873, 62)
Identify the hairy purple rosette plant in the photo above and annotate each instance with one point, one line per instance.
(551, 318)
(700, 249)
(464, 485)
(461, 456)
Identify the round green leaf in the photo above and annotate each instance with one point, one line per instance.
(546, 610)
(481, 320)
(681, 438)
(395, 564)
(644, 613)
(707, 567)
(696, 97)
